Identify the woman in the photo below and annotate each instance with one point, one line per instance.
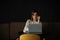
(35, 19)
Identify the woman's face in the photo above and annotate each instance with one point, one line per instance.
(34, 16)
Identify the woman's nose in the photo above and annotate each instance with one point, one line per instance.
(34, 16)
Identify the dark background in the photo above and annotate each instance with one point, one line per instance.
(14, 13)
(20, 10)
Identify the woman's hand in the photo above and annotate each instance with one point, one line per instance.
(38, 17)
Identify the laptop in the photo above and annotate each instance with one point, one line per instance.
(35, 28)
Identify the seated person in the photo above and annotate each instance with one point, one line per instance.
(35, 19)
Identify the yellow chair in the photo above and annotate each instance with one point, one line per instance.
(29, 37)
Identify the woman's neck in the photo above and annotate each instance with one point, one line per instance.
(34, 20)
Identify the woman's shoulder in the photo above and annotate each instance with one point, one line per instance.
(28, 20)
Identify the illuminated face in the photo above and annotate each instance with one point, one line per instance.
(34, 16)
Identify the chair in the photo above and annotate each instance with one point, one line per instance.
(29, 37)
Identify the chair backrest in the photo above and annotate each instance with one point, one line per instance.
(29, 37)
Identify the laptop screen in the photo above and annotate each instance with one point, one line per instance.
(35, 28)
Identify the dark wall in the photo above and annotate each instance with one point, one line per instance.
(54, 32)
(10, 31)
(20, 10)
(4, 31)
(15, 28)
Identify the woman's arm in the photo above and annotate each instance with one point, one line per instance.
(38, 19)
(26, 27)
